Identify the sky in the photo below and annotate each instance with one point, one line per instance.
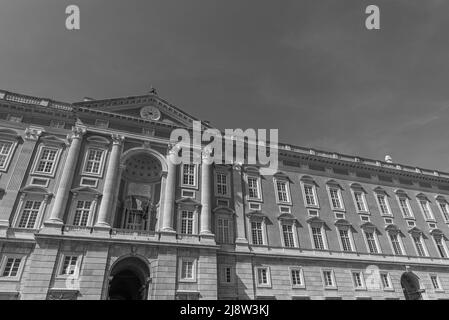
(308, 68)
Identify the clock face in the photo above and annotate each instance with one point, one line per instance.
(150, 113)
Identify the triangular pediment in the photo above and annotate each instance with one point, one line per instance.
(166, 113)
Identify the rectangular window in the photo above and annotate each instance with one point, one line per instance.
(357, 278)
(417, 239)
(296, 276)
(263, 277)
(186, 222)
(383, 204)
(385, 278)
(222, 184)
(226, 274)
(82, 213)
(69, 265)
(405, 207)
(371, 240)
(57, 124)
(29, 215)
(318, 240)
(256, 232)
(282, 191)
(328, 278)
(47, 160)
(223, 232)
(11, 268)
(435, 282)
(287, 231)
(345, 240)
(189, 175)
(396, 244)
(253, 188)
(187, 270)
(309, 193)
(93, 161)
(441, 247)
(360, 201)
(14, 118)
(444, 210)
(426, 209)
(336, 202)
(5, 153)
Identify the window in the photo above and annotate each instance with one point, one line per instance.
(57, 124)
(383, 204)
(317, 236)
(310, 195)
(29, 214)
(335, 197)
(187, 270)
(94, 161)
(297, 278)
(253, 188)
(435, 282)
(187, 219)
(358, 280)
(425, 209)
(396, 244)
(82, 213)
(444, 210)
(345, 239)
(360, 203)
(371, 241)
(405, 207)
(328, 279)
(263, 276)
(14, 118)
(226, 274)
(222, 187)
(47, 161)
(69, 265)
(257, 233)
(288, 235)
(223, 230)
(282, 191)
(385, 279)
(441, 246)
(419, 245)
(11, 267)
(189, 175)
(6, 150)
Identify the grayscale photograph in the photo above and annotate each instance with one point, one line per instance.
(224, 150)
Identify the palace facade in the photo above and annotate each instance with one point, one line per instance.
(90, 208)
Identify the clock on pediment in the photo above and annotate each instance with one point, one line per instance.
(150, 113)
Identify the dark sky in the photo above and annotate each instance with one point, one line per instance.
(308, 68)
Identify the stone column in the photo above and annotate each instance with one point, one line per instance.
(65, 184)
(170, 189)
(206, 193)
(239, 202)
(110, 184)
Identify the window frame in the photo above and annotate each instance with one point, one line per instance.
(268, 276)
(362, 280)
(286, 183)
(339, 195)
(376, 241)
(258, 184)
(365, 204)
(37, 160)
(440, 288)
(420, 199)
(292, 224)
(323, 237)
(443, 243)
(104, 153)
(423, 243)
(400, 197)
(3, 262)
(401, 244)
(333, 286)
(76, 274)
(263, 230)
(387, 204)
(92, 211)
(315, 194)
(194, 221)
(194, 269)
(301, 277)
(227, 174)
(230, 218)
(222, 276)
(350, 236)
(388, 277)
(446, 204)
(195, 176)
(10, 154)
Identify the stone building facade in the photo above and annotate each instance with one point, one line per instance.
(90, 208)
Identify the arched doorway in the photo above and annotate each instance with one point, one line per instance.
(129, 280)
(410, 286)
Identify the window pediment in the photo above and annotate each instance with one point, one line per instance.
(357, 187)
(188, 202)
(315, 221)
(35, 190)
(54, 141)
(401, 193)
(288, 217)
(281, 176)
(370, 227)
(394, 229)
(440, 198)
(223, 210)
(417, 231)
(335, 184)
(86, 190)
(98, 140)
(438, 233)
(344, 224)
(10, 134)
(258, 215)
(422, 196)
(380, 190)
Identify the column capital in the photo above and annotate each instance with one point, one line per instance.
(206, 155)
(33, 133)
(237, 166)
(117, 139)
(77, 133)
